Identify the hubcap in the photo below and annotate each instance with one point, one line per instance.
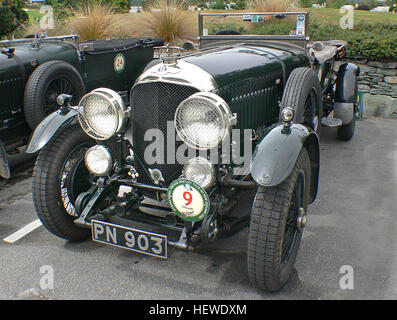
(74, 179)
(302, 219)
(56, 87)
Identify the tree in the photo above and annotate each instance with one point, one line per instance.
(63, 8)
(305, 3)
(12, 15)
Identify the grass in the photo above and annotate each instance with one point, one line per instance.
(333, 16)
(168, 19)
(270, 5)
(34, 14)
(93, 21)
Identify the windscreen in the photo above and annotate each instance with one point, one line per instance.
(280, 24)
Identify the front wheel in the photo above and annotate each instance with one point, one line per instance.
(59, 177)
(277, 220)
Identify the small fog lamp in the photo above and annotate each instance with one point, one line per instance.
(201, 171)
(98, 160)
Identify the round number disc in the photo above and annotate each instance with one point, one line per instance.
(119, 63)
(188, 200)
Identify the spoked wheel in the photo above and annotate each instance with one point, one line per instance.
(277, 220)
(313, 113)
(60, 85)
(59, 177)
(295, 222)
(45, 84)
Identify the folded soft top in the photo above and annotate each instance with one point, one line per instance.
(108, 45)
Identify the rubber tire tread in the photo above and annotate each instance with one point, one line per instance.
(294, 93)
(46, 186)
(33, 109)
(266, 231)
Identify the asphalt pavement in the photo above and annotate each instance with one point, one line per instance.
(351, 231)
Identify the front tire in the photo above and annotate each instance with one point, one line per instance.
(302, 93)
(59, 176)
(277, 221)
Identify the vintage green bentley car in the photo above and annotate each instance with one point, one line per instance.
(204, 130)
(35, 71)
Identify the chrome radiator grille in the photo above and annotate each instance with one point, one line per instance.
(152, 106)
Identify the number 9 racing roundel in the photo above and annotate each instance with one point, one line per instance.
(188, 200)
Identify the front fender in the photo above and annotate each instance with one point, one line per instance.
(275, 155)
(47, 128)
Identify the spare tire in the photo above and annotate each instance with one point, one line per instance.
(45, 84)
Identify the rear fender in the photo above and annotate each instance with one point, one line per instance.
(48, 127)
(346, 92)
(275, 156)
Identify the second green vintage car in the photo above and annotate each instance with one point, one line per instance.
(203, 130)
(35, 71)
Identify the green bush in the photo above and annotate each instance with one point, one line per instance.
(218, 5)
(215, 27)
(374, 41)
(11, 17)
(305, 3)
(335, 3)
(63, 8)
(275, 28)
(241, 5)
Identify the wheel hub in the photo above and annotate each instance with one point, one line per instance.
(302, 219)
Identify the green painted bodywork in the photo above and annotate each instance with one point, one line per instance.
(11, 79)
(99, 68)
(250, 78)
(277, 151)
(47, 128)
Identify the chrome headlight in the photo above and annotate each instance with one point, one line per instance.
(102, 113)
(201, 171)
(98, 160)
(203, 120)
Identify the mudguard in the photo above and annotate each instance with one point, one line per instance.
(5, 171)
(48, 127)
(275, 155)
(346, 92)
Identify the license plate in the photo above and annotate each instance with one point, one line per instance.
(149, 243)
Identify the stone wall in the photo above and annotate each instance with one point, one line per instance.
(378, 83)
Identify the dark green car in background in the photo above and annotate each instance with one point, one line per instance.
(34, 72)
(237, 120)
